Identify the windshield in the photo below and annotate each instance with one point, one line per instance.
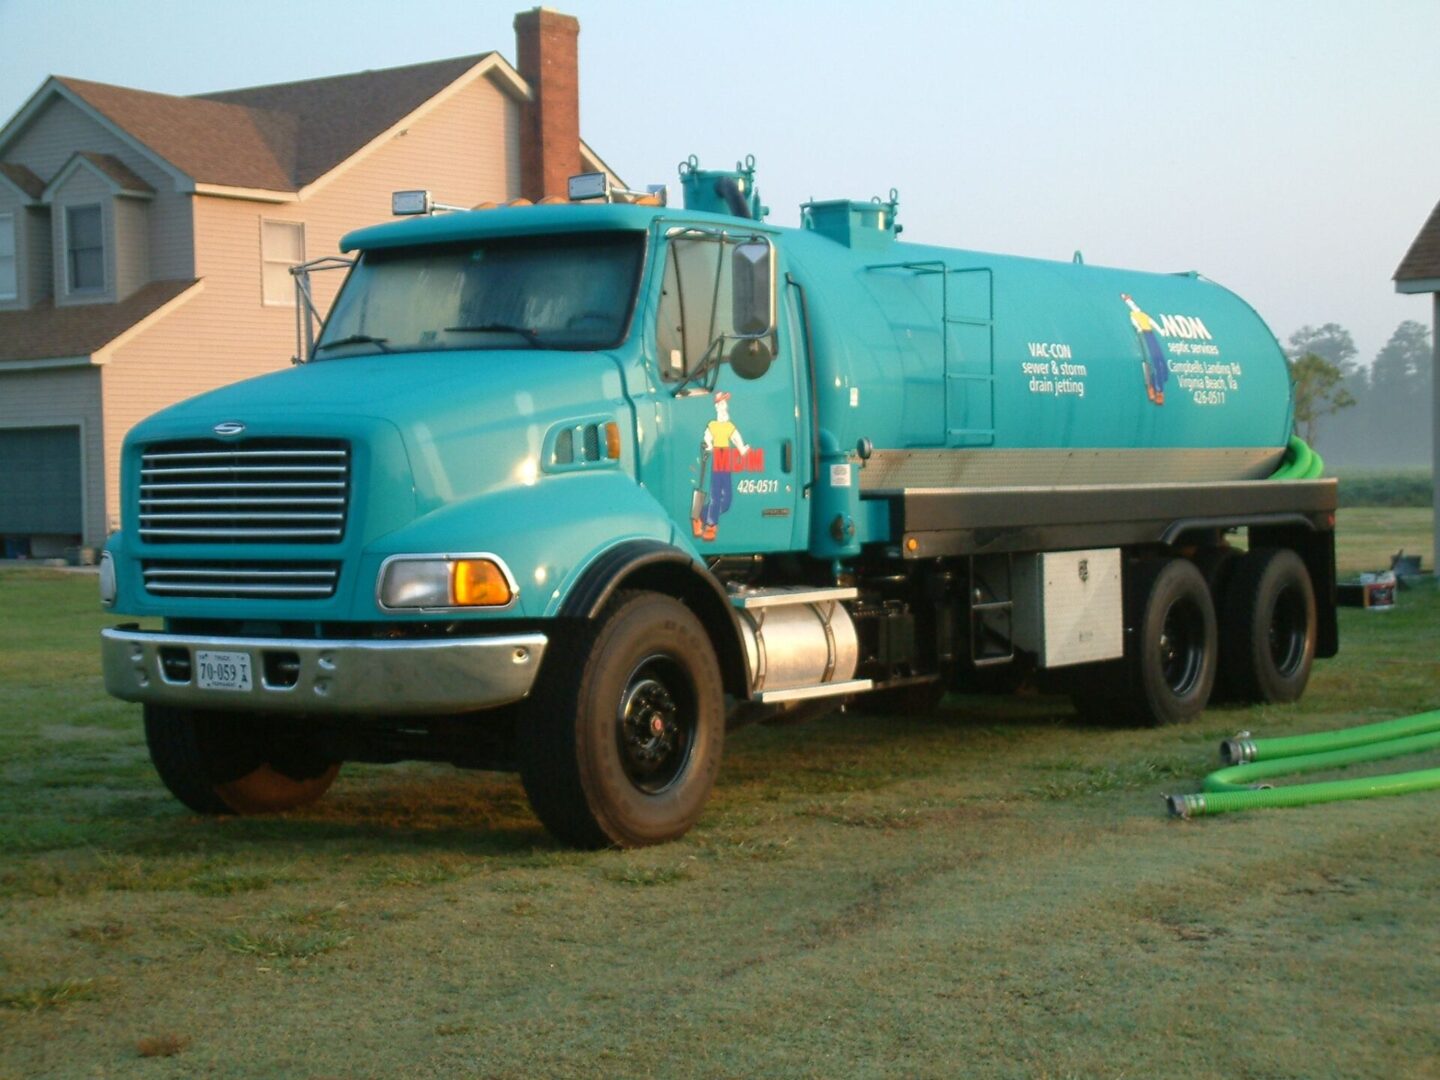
(532, 292)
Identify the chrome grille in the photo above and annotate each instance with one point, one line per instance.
(261, 491)
(242, 580)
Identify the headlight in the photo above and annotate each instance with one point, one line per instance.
(445, 581)
(107, 579)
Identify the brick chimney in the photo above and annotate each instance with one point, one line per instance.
(546, 47)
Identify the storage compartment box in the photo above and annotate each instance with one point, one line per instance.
(1068, 606)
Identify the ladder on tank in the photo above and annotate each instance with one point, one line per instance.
(967, 317)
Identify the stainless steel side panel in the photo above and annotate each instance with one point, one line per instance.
(335, 677)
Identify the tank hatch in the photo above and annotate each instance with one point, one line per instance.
(719, 191)
(864, 226)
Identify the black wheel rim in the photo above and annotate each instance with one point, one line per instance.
(655, 724)
(1182, 647)
(1289, 630)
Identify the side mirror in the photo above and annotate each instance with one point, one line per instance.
(753, 292)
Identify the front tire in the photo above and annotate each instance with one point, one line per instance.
(621, 746)
(227, 763)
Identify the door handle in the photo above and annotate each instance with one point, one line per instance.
(787, 456)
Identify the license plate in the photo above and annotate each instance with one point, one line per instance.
(222, 670)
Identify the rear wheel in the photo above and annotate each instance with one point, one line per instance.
(1268, 627)
(228, 763)
(1170, 656)
(622, 744)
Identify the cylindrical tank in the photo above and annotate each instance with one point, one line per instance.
(969, 369)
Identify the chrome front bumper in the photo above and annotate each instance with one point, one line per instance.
(389, 678)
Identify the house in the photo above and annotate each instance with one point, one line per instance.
(146, 239)
(1419, 272)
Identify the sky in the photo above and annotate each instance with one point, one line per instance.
(1284, 148)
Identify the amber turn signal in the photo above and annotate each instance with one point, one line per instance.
(479, 583)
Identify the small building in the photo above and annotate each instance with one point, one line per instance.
(146, 239)
(1419, 272)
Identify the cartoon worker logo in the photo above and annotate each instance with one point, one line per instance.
(721, 451)
(1152, 352)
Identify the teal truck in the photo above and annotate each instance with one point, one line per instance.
(573, 489)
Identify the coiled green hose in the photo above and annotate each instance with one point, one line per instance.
(1299, 463)
(1231, 788)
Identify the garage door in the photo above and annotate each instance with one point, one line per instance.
(40, 480)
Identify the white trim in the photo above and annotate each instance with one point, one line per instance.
(77, 160)
(81, 426)
(7, 366)
(38, 100)
(494, 66)
(596, 163)
(104, 354)
(223, 191)
(89, 291)
(1418, 285)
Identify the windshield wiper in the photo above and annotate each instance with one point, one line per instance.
(529, 335)
(354, 339)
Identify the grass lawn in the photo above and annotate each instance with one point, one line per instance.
(994, 890)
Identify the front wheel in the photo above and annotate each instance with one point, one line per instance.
(229, 763)
(622, 743)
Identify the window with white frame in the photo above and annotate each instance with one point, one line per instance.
(282, 245)
(84, 248)
(9, 282)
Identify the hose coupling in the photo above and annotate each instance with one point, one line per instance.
(1239, 750)
(1184, 806)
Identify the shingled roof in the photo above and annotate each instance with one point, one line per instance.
(278, 138)
(46, 331)
(1422, 261)
(23, 179)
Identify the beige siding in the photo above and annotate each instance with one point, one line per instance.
(82, 188)
(37, 256)
(60, 129)
(465, 150)
(64, 397)
(132, 244)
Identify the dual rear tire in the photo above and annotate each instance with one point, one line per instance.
(1258, 648)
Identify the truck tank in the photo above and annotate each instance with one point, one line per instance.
(967, 369)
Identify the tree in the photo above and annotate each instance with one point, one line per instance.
(1331, 343)
(1319, 391)
(1403, 365)
(1400, 396)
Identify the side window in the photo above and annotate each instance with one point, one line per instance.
(282, 245)
(699, 323)
(84, 248)
(9, 281)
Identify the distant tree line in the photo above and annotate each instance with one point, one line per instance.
(1372, 416)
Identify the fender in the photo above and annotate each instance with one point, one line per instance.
(662, 567)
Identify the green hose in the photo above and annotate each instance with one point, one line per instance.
(1229, 788)
(1299, 463)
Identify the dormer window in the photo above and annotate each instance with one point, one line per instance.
(84, 248)
(9, 281)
